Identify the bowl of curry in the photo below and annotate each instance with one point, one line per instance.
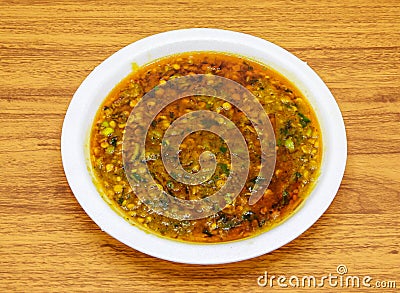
(107, 169)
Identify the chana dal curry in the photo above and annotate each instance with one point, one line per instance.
(298, 148)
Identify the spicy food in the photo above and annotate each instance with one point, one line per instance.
(298, 148)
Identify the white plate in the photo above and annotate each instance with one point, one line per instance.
(94, 89)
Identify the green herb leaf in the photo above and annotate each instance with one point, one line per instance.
(249, 216)
(286, 128)
(289, 144)
(137, 177)
(303, 120)
(223, 149)
(224, 168)
(285, 197)
(170, 185)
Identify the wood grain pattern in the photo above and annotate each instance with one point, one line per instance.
(48, 243)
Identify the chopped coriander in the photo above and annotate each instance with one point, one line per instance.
(223, 149)
(303, 120)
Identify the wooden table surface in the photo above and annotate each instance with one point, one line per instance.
(47, 48)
